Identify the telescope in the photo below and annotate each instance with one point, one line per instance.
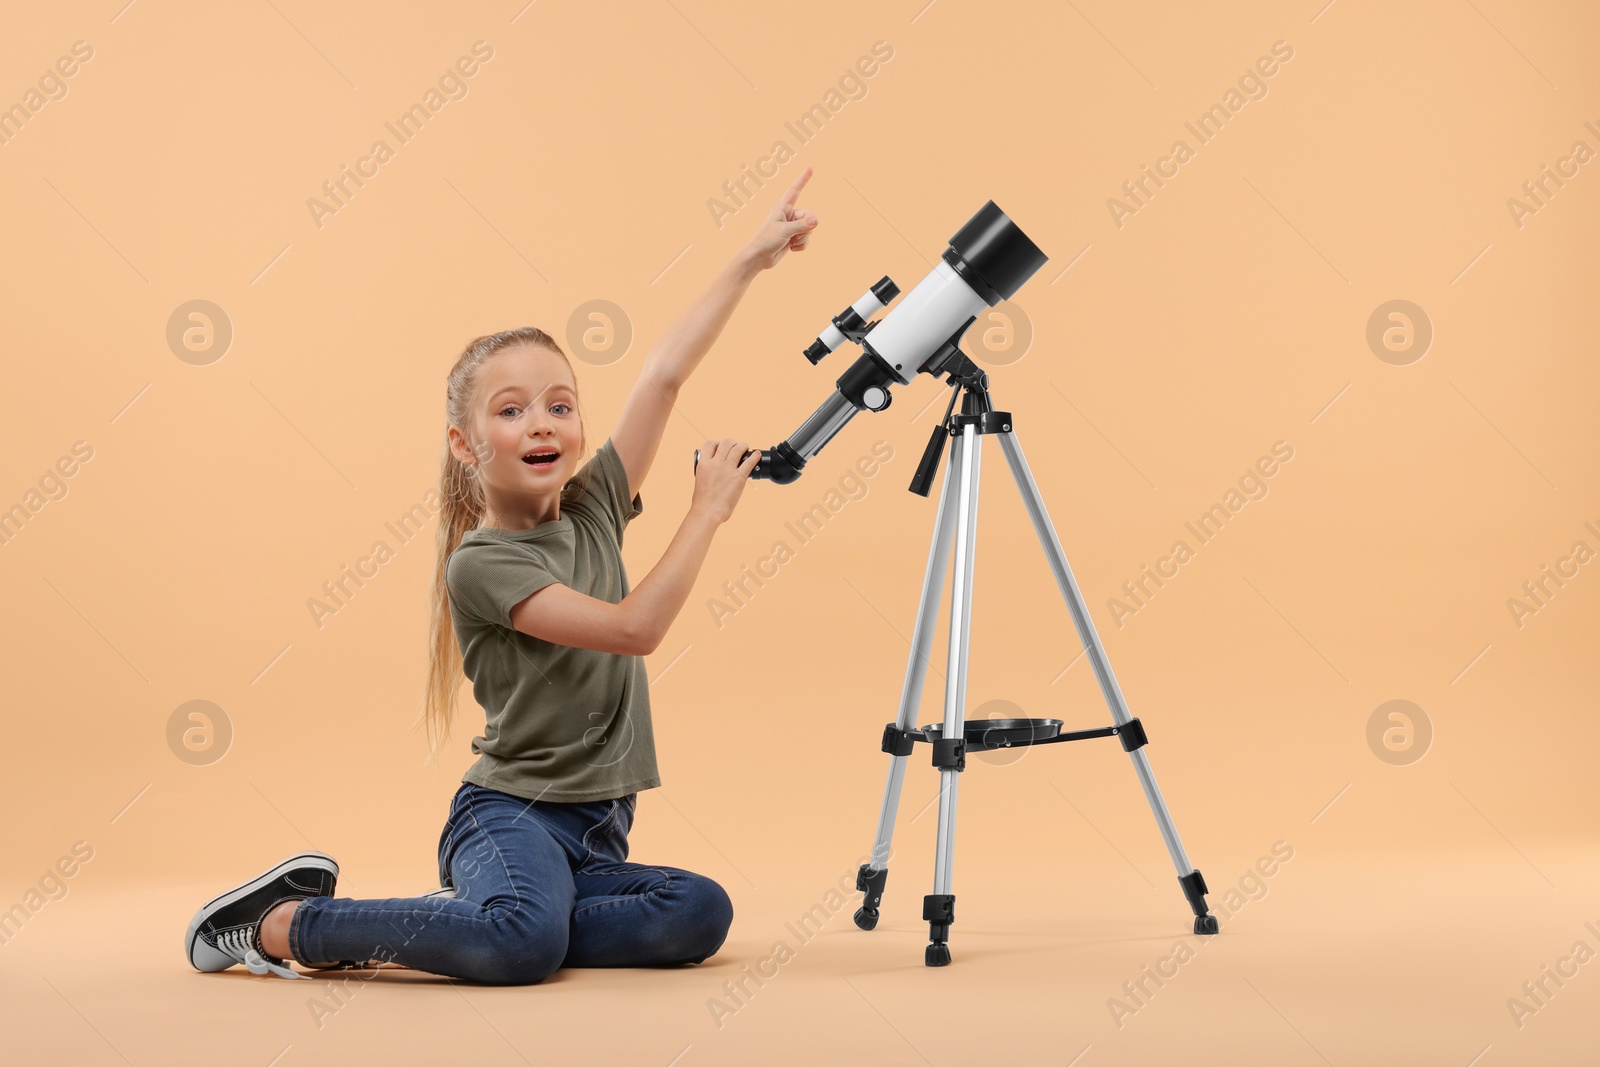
(987, 260)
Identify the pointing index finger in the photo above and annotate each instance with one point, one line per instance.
(794, 190)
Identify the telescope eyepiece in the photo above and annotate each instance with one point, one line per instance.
(780, 463)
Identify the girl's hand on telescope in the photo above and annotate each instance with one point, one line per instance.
(785, 229)
(720, 477)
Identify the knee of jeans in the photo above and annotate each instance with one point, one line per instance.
(709, 915)
(520, 947)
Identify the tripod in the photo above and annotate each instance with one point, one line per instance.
(950, 741)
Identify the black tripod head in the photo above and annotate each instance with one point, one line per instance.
(977, 408)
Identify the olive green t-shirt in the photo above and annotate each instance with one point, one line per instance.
(563, 723)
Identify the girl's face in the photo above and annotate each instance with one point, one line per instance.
(528, 427)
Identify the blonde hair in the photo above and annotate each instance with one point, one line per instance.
(462, 511)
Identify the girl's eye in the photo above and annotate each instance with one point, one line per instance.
(560, 406)
(507, 408)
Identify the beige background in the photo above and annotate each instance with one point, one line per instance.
(1228, 313)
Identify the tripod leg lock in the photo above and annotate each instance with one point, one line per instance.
(951, 753)
(871, 882)
(1194, 888)
(939, 911)
(1132, 735)
(898, 742)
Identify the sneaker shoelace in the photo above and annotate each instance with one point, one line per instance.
(240, 944)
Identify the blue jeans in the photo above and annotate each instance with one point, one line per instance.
(539, 885)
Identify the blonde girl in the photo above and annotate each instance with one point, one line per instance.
(532, 602)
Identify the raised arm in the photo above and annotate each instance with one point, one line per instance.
(678, 352)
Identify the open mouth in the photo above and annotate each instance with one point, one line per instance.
(541, 458)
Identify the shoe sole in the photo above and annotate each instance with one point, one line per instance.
(191, 937)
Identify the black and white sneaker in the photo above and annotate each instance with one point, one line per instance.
(228, 929)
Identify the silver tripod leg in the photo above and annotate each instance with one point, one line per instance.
(872, 876)
(1189, 878)
(939, 908)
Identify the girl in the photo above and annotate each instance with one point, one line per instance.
(530, 588)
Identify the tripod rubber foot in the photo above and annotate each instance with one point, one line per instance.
(937, 956)
(865, 919)
(1205, 924)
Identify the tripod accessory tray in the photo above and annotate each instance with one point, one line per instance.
(1009, 733)
(998, 733)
